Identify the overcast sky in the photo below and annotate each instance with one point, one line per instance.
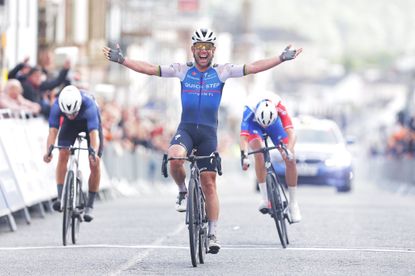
(361, 26)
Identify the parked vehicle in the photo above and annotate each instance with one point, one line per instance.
(321, 154)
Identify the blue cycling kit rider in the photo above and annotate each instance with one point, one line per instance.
(201, 92)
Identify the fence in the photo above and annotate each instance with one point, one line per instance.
(25, 180)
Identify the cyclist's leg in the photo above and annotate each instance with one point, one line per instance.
(277, 133)
(180, 145)
(208, 181)
(66, 138)
(206, 144)
(60, 176)
(256, 143)
(95, 175)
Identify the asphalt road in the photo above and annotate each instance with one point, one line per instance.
(366, 232)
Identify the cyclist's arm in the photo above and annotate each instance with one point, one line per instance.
(93, 124)
(243, 144)
(265, 64)
(247, 117)
(285, 117)
(53, 133)
(291, 139)
(262, 65)
(142, 67)
(94, 140)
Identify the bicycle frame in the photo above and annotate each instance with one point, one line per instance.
(276, 192)
(196, 217)
(70, 194)
(73, 165)
(267, 160)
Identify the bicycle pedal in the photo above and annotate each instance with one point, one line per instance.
(287, 216)
(76, 214)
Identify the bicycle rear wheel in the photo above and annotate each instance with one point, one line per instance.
(76, 216)
(277, 208)
(192, 215)
(67, 207)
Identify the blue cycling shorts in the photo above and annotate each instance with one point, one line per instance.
(199, 137)
(70, 130)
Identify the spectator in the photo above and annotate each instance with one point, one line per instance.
(13, 99)
(36, 89)
(20, 70)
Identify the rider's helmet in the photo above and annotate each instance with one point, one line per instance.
(70, 100)
(203, 35)
(266, 113)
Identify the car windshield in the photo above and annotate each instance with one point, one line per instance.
(316, 136)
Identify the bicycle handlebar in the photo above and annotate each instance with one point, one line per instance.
(280, 146)
(91, 151)
(192, 158)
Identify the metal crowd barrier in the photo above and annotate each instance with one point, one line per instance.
(392, 173)
(138, 167)
(25, 180)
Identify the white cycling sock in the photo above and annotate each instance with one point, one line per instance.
(182, 188)
(292, 191)
(212, 227)
(263, 190)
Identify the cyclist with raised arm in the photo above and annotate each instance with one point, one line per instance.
(201, 91)
(268, 115)
(73, 112)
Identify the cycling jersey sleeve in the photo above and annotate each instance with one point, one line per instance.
(247, 117)
(283, 114)
(175, 70)
(229, 70)
(54, 116)
(92, 117)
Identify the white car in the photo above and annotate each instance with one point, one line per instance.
(321, 154)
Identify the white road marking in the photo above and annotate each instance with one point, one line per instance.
(142, 255)
(157, 245)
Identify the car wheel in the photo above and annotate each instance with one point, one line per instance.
(347, 187)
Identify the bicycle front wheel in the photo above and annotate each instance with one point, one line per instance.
(203, 230)
(76, 216)
(277, 208)
(67, 207)
(193, 227)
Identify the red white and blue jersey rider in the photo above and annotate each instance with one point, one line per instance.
(253, 129)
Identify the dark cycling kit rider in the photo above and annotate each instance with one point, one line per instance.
(74, 112)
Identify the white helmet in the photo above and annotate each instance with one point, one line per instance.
(266, 113)
(203, 35)
(70, 100)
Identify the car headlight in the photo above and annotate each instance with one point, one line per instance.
(339, 160)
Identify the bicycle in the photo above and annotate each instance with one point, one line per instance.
(196, 217)
(73, 199)
(276, 192)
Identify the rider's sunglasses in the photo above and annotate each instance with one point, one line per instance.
(203, 46)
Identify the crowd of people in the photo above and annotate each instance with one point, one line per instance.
(33, 89)
(401, 141)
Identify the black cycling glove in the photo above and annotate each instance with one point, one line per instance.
(116, 55)
(287, 54)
